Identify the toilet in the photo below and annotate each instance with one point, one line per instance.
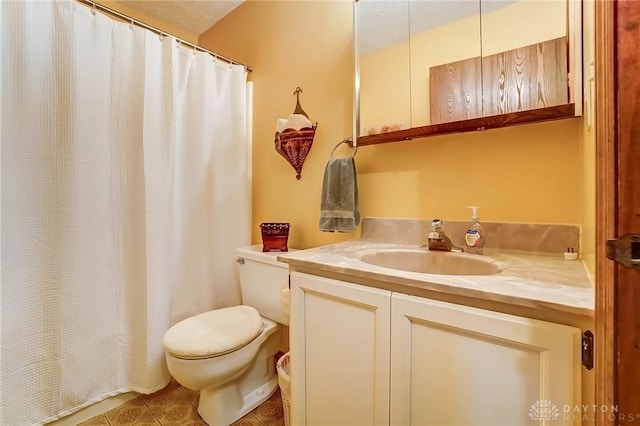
(229, 354)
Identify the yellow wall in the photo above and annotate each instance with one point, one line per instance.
(289, 44)
(523, 23)
(400, 73)
(385, 74)
(529, 173)
(521, 174)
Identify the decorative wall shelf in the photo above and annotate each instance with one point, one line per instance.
(472, 125)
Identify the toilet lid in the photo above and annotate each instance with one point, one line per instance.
(213, 333)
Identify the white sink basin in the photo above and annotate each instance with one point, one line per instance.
(433, 262)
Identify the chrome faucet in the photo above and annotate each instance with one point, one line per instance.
(437, 240)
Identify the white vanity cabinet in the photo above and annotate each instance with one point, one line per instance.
(339, 340)
(457, 365)
(366, 356)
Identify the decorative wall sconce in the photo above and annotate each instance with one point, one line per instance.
(294, 136)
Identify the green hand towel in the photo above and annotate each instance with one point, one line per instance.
(339, 204)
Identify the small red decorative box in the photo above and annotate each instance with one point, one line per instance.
(274, 236)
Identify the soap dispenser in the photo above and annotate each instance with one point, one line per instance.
(474, 235)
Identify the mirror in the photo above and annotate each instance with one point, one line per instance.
(445, 32)
(425, 64)
(524, 55)
(384, 63)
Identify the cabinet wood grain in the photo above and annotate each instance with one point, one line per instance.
(522, 79)
(530, 77)
(455, 91)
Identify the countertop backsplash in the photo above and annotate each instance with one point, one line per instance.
(527, 237)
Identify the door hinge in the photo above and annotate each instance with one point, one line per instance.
(587, 349)
(625, 250)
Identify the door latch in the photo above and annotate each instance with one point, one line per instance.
(625, 250)
(587, 349)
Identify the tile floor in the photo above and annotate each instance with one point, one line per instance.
(177, 406)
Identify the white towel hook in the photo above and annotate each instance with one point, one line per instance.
(349, 142)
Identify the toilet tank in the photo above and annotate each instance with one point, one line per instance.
(262, 279)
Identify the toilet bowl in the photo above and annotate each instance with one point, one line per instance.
(229, 354)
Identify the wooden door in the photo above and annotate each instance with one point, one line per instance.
(618, 207)
(458, 365)
(339, 352)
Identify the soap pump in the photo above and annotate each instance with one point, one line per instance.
(474, 235)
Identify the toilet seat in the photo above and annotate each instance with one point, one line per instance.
(213, 333)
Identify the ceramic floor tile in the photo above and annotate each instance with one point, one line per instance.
(277, 422)
(198, 422)
(190, 395)
(100, 420)
(176, 414)
(164, 397)
(134, 412)
(177, 406)
(277, 395)
(248, 420)
(269, 411)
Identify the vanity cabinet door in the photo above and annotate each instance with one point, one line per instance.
(456, 365)
(339, 339)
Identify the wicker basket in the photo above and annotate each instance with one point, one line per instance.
(284, 381)
(275, 236)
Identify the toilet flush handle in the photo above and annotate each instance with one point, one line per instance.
(240, 261)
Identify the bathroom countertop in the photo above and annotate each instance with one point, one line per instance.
(545, 281)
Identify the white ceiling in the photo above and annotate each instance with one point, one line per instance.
(192, 16)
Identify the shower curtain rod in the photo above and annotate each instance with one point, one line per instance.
(97, 6)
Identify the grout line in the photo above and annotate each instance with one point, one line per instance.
(150, 410)
(188, 398)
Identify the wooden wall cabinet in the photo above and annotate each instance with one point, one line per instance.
(526, 69)
(517, 80)
(456, 91)
(531, 77)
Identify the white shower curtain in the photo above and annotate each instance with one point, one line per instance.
(125, 189)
